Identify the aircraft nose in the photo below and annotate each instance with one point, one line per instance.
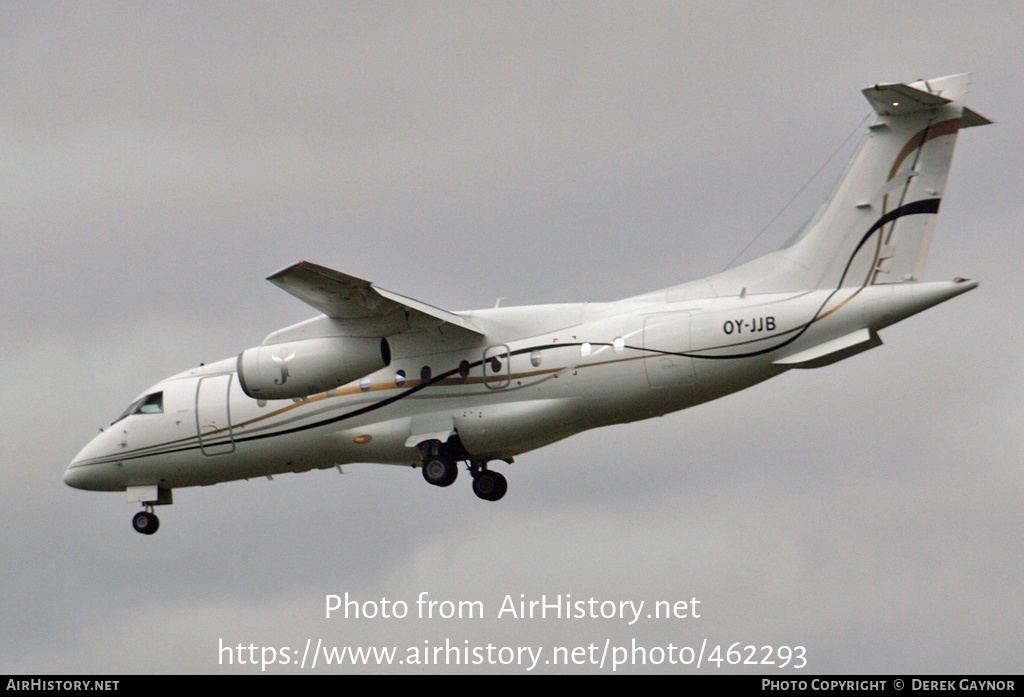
(86, 473)
(77, 476)
(93, 476)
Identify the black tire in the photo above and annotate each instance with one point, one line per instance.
(489, 485)
(502, 487)
(440, 471)
(145, 522)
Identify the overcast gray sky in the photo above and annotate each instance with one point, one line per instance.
(161, 159)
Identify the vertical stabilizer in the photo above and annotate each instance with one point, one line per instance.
(878, 224)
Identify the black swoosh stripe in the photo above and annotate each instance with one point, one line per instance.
(928, 205)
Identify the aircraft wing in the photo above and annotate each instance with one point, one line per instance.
(347, 298)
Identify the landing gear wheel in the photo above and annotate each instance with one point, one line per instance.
(490, 485)
(440, 471)
(145, 522)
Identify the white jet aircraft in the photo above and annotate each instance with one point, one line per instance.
(379, 377)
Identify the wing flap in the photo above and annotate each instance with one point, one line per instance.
(347, 298)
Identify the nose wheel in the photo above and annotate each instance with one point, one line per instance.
(146, 521)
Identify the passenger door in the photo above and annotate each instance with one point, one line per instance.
(213, 415)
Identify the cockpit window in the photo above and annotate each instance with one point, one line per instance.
(150, 404)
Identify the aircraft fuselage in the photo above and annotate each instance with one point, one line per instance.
(578, 367)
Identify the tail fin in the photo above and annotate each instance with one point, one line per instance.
(878, 223)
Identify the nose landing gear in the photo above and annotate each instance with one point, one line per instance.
(145, 521)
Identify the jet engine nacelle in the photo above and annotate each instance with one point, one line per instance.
(296, 369)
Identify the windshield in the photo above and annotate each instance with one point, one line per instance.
(150, 404)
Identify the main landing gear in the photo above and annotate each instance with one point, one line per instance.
(146, 521)
(487, 484)
(440, 468)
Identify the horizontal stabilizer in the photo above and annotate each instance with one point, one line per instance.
(832, 351)
(897, 99)
(343, 297)
(971, 119)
